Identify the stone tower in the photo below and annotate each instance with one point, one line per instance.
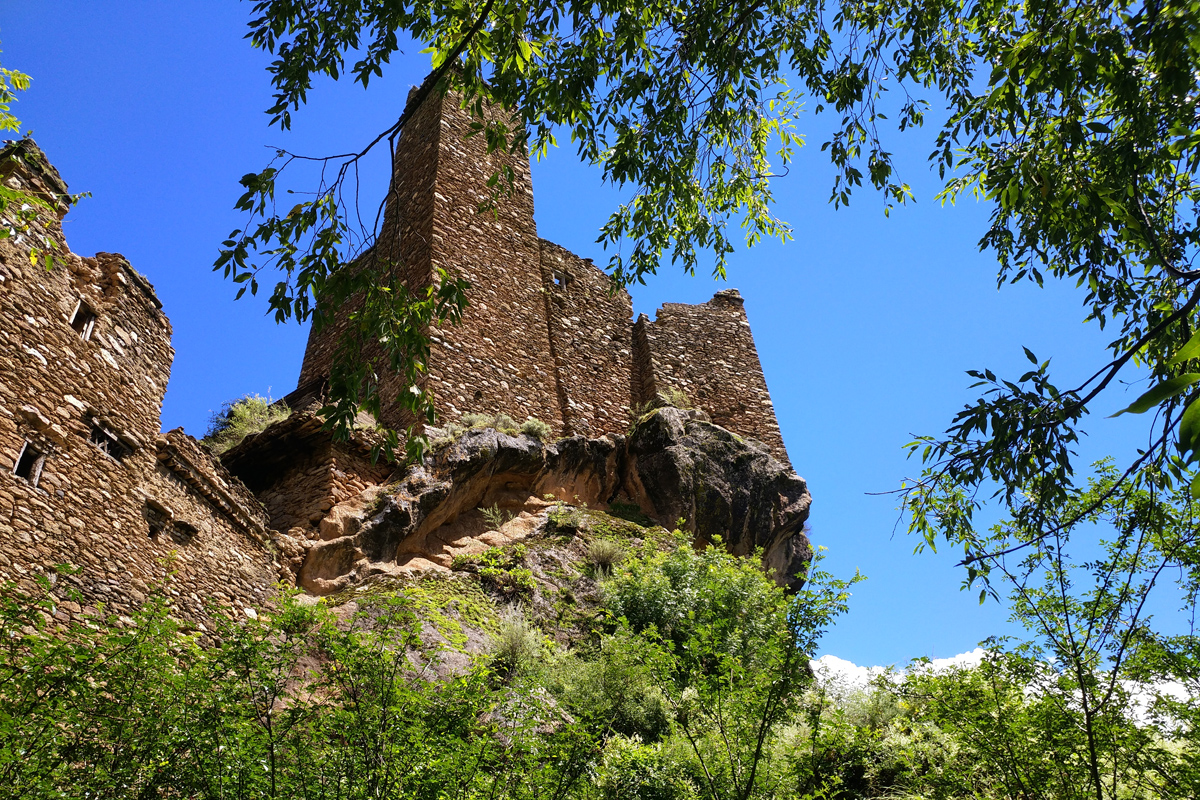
(544, 335)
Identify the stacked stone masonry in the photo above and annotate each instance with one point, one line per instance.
(545, 334)
(86, 479)
(707, 352)
(299, 472)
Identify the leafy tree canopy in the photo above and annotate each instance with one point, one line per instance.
(1075, 120)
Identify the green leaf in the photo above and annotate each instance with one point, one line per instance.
(1188, 351)
(1189, 429)
(1163, 391)
(1196, 486)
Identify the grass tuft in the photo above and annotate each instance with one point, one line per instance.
(240, 418)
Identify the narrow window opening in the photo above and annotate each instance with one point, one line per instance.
(156, 519)
(83, 321)
(29, 463)
(561, 278)
(109, 443)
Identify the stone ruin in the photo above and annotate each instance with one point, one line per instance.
(544, 335)
(87, 478)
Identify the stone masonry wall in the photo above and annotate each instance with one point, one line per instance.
(85, 355)
(708, 352)
(299, 473)
(591, 335)
(498, 359)
(543, 335)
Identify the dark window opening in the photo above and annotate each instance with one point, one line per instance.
(83, 321)
(561, 278)
(156, 518)
(109, 443)
(478, 395)
(29, 463)
(183, 532)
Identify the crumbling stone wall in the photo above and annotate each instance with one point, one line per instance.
(543, 336)
(299, 473)
(85, 477)
(591, 338)
(707, 352)
(498, 359)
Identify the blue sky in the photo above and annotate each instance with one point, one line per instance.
(865, 325)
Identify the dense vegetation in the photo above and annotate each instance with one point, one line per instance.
(690, 680)
(240, 418)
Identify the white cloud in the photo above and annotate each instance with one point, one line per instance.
(968, 660)
(838, 673)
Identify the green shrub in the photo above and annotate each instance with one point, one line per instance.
(536, 428)
(239, 418)
(631, 770)
(509, 582)
(565, 519)
(682, 591)
(517, 645)
(440, 437)
(501, 422)
(604, 554)
(674, 396)
(616, 689)
(506, 424)
(475, 420)
(499, 569)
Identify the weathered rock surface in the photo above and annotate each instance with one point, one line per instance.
(675, 465)
(680, 466)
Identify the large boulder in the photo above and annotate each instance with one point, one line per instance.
(680, 466)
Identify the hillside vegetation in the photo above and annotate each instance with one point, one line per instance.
(599, 659)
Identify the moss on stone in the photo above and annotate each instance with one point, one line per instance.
(449, 603)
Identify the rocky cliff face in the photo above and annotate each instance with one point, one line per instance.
(674, 466)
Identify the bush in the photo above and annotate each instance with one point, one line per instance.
(499, 569)
(536, 428)
(501, 422)
(675, 396)
(506, 424)
(682, 591)
(604, 554)
(631, 770)
(615, 690)
(474, 420)
(564, 519)
(240, 418)
(517, 645)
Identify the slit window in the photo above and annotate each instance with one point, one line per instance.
(109, 443)
(29, 463)
(83, 320)
(156, 518)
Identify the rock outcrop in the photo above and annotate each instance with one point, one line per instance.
(680, 466)
(675, 465)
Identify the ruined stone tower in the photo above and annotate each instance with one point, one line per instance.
(543, 336)
(86, 477)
